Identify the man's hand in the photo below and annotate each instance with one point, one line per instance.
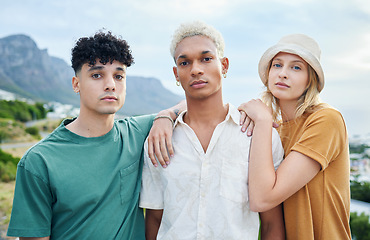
(160, 147)
(160, 142)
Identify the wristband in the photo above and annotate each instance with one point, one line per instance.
(163, 116)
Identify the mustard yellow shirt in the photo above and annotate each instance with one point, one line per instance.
(320, 210)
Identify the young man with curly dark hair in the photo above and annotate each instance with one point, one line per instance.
(83, 180)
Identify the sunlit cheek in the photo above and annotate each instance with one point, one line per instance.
(269, 83)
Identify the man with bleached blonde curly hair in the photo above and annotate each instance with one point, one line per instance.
(203, 193)
(198, 28)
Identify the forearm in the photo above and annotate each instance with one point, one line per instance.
(262, 176)
(272, 231)
(272, 224)
(153, 220)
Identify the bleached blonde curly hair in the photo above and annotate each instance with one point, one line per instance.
(197, 28)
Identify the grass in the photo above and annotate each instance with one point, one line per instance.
(6, 201)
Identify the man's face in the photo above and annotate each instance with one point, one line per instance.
(102, 88)
(199, 69)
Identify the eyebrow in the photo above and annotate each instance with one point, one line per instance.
(185, 56)
(93, 68)
(278, 59)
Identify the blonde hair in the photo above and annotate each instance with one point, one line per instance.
(308, 102)
(197, 28)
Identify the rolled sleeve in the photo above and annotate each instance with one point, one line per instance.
(151, 195)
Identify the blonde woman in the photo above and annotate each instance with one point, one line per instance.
(313, 179)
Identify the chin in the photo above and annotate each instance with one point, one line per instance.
(108, 111)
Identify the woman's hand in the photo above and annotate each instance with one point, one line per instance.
(252, 112)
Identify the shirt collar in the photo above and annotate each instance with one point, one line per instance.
(232, 114)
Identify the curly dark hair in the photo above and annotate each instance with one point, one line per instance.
(103, 46)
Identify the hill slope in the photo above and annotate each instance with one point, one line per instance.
(31, 73)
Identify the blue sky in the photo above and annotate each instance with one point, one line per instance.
(249, 27)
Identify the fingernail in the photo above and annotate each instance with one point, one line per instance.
(249, 134)
(168, 163)
(164, 166)
(171, 155)
(156, 165)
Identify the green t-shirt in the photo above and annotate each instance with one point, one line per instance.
(72, 187)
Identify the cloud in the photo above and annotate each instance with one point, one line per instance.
(249, 28)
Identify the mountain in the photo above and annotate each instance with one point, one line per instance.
(30, 72)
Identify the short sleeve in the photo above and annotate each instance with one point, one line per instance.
(151, 195)
(324, 136)
(144, 123)
(31, 213)
(277, 149)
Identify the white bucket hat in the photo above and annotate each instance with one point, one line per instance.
(298, 44)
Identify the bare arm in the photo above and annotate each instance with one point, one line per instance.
(34, 238)
(153, 220)
(160, 136)
(271, 188)
(272, 224)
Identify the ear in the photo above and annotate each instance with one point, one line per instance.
(225, 64)
(175, 73)
(76, 84)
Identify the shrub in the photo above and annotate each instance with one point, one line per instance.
(8, 166)
(360, 191)
(360, 226)
(34, 131)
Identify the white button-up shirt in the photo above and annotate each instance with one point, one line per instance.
(204, 195)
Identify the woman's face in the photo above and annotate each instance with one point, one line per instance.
(288, 77)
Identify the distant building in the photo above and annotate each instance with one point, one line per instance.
(4, 95)
(61, 111)
(360, 207)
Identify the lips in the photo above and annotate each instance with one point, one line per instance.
(109, 98)
(198, 83)
(281, 84)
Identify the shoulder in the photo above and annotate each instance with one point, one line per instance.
(138, 123)
(34, 161)
(234, 113)
(326, 116)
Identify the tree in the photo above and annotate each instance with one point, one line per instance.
(360, 191)
(360, 226)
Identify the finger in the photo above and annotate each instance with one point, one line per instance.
(164, 152)
(169, 146)
(151, 154)
(275, 124)
(158, 153)
(250, 129)
(243, 116)
(246, 124)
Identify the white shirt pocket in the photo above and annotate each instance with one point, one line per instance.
(234, 181)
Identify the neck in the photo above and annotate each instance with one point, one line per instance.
(87, 126)
(204, 115)
(288, 109)
(205, 111)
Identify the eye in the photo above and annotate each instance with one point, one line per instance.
(207, 59)
(96, 76)
(276, 65)
(183, 63)
(297, 68)
(119, 77)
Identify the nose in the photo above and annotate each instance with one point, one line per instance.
(283, 73)
(196, 69)
(110, 84)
